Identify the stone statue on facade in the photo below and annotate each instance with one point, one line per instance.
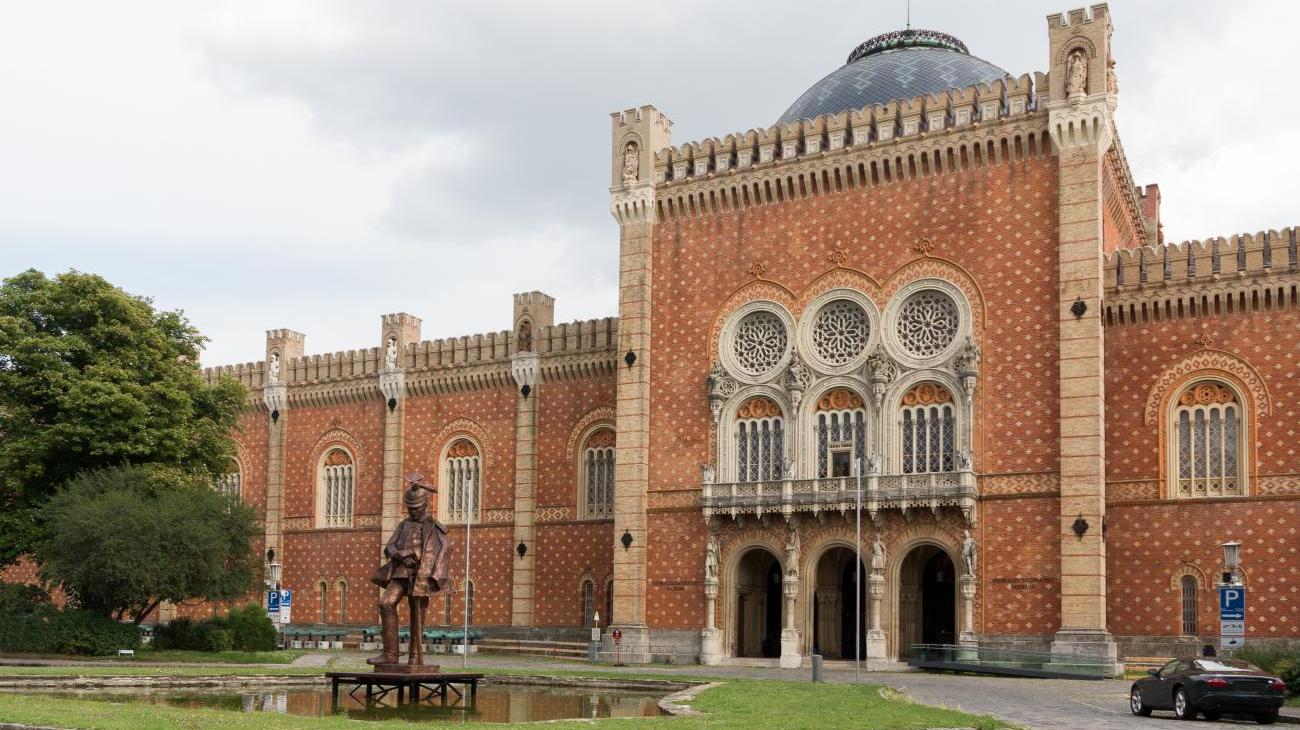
(963, 459)
(872, 463)
(631, 164)
(390, 354)
(968, 554)
(1076, 74)
(273, 369)
(1112, 83)
(967, 361)
(792, 555)
(878, 556)
(880, 373)
(797, 379)
(720, 386)
(524, 342)
(707, 473)
(417, 569)
(711, 558)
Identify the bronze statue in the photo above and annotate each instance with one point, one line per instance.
(419, 555)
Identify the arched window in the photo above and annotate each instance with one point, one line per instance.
(588, 602)
(343, 601)
(609, 602)
(596, 476)
(928, 429)
(231, 483)
(335, 489)
(446, 610)
(1207, 447)
(760, 441)
(841, 432)
(461, 475)
(324, 589)
(1187, 585)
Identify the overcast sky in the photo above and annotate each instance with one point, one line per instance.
(314, 165)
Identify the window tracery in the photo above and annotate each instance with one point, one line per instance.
(462, 479)
(336, 489)
(1207, 440)
(597, 475)
(840, 331)
(928, 322)
(759, 342)
(760, 440)
(230, 484)
(928, 426)
(841, 432)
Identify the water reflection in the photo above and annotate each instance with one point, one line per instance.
(495, 703)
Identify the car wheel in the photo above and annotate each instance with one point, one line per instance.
(1136, 705)
(1213, 715)
(1183, 709)
(1266, 718)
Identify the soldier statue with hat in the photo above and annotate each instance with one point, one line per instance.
(417, 569)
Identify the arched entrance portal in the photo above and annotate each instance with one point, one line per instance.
(834, 606)
(758, 605)
(927, 599)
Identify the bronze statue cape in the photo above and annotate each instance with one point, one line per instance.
(433, 575)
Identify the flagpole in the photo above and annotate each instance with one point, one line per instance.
(857, 580)
(469, 519)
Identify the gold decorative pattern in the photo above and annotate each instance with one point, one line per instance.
(758, 407)
(1207, 363)
(839, 399)
(923, 394)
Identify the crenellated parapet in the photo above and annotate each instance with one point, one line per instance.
(1244, 272)
(948, 131)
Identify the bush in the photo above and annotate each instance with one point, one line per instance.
(213, 636)
(21, 599)
(180, 633)
(250, 629)
(1285, 663)
(47, 630)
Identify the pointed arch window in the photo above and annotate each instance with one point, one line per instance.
(1207, 448)
(760, 440)
(928, 429)
(596, 476)
(343, 601)
(335, 489)
(324, 589)
(231, 483)
(588, 601)
(462, 477)
(841, 432)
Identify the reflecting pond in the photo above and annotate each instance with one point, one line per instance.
(495, 702)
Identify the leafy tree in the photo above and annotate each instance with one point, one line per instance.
(123, 539)
(91, 376)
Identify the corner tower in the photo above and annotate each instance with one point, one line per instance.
(1081, 105)
(636, 135)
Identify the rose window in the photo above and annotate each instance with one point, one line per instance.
(840, 332)
(760, 342)
(927, 323)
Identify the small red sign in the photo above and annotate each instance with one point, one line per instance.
(618, 636)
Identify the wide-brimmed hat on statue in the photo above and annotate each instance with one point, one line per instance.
(417, 492)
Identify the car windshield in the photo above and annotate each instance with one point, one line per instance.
(1225, 665)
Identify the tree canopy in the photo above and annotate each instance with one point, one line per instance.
(90, 377)
(121, 540)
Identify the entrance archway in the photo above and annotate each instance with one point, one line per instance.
(927, 599)
(834, 606)
(758, 605)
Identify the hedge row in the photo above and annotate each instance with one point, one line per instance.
(244, 629)
(47, 630)
(1283, 663)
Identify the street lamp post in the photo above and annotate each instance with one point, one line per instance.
(1231, 559)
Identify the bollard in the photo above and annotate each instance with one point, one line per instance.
(817, 667)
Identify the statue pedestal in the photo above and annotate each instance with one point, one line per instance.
(791, 658)
(876, 644)
(406, 669)
(710, 647)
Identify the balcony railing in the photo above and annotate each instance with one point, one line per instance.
(839, 494)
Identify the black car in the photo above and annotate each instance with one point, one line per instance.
(1209, 685)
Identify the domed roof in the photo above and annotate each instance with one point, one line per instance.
(898, 65)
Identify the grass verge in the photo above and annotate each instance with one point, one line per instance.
(285, 656)
(741, 704)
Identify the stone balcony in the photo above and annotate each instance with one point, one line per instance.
(880, 492)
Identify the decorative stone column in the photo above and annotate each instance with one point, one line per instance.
(636, 135)
(524, 367)
(877, 647)
(710, 637)
(791, 652)
(966, 586)
(1080, 119)
(282, 347)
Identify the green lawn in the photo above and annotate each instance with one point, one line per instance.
(743, 704)
(285, 656)
(126, 670)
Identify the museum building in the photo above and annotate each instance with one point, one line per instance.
(933, 286)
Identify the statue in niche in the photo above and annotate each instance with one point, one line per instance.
(273, 369)
(1076, 74)
(524, 342)
(1112, 83)
(872, 463)
(631, 164)
(711, 558)
(417, 569)
(792, 555)
(787, 469)
(968, 554)
(706, 473)
(390, 354)
(878, 556)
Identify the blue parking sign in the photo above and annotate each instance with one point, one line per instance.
(273, 605)
(286, 597)
(1232, 603)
